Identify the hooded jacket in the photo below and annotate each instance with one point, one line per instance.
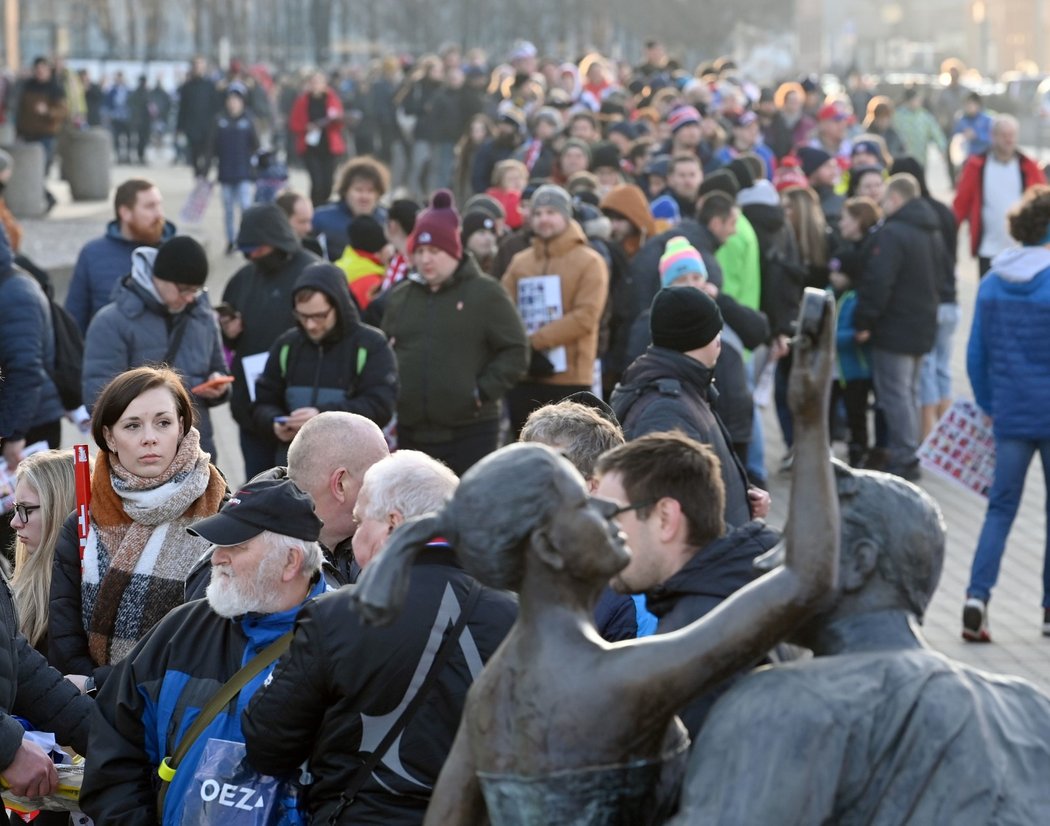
(136, 328)
(584, 290)
(665, 390)
(898, 295)
(335, 695)
(351, 369)
(262, 293)
(28, 396)
(459, 349)
(100, 265)
(712, 574)
(1008, 357)
(629, 201)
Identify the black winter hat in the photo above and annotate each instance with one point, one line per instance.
(365, 234)
(276, 505)
(721, 180)
(475, 222)
(605, 153)
(742, 172)
(684, 319)
(811, 158)
(181, 260)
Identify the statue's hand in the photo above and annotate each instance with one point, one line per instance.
(809, 386)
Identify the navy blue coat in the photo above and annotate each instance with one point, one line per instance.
(28, 397)
(233, 142)
(100, 265)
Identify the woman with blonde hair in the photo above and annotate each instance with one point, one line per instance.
(45, 495)
(803, 213)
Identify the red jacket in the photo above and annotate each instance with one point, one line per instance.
(969, 196)
(299, 119)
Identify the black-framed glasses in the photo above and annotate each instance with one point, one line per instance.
(306, 318)
(23, 511)
(632, 506)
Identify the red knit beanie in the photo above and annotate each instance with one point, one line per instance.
(438, 226)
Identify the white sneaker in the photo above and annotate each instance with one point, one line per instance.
(975, 621)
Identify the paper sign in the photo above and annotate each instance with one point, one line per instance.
(961, 448)
(539, 303)
(253, 368)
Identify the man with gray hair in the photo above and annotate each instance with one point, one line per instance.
(375, 709)
(397, 488)
(990, 184)
(266, 564)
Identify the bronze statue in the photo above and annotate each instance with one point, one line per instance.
(877, 729)
(562, 727)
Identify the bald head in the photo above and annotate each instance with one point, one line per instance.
(328, 458)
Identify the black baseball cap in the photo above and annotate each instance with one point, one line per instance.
(276, 505)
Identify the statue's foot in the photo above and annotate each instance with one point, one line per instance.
(975, 621)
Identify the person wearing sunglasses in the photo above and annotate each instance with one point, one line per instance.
(328, 361)
(161, 314)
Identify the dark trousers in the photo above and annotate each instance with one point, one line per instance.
(470, 444)
(121, 130)
(197, 150)
(320, 166)
(855, 397)
(983, 265)
(258, 453)
(528, 396)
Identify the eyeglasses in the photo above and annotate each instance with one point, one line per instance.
(23, 511)
(188, 290)
(306, 318)
(633, 506)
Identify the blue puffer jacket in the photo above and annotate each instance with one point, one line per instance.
(233, 143)
(155, 694)
(100, 265)
(28, 397)
(1008, 357)
(136, 329)
(332, 220)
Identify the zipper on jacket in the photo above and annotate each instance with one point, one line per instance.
(317, 375)
(428, 349)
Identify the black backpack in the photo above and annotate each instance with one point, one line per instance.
(69, 345)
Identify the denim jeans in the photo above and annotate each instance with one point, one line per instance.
(233, 196)
(936, 381)
(1012, 457)
(896, 377)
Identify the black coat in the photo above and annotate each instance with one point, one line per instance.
(899, 292)
(709, 577)
(783, 276)
(263, 296)
(30, 688)
(665, 390)
(198, 103)
(334, 696)
(352, 369)
(67, 645)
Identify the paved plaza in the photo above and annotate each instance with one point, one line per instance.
(1015, 613)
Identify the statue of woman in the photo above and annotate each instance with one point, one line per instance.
(562, 727)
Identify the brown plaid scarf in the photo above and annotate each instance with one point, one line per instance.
(138, 552)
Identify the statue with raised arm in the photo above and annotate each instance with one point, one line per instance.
(876, 729)
(562, 727)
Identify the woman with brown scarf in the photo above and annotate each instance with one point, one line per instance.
(151, 480)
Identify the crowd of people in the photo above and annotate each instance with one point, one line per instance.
(603, 259)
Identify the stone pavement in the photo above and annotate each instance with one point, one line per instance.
(1016, 616)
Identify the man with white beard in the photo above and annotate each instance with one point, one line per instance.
(266, 564)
